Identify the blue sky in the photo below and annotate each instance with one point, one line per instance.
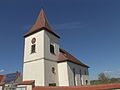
(89, 29)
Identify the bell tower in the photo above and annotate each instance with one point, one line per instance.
(41, 51)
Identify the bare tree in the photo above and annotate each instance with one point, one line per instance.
(103, 77)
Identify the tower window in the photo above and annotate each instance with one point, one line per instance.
(33, 48)
(52, 49)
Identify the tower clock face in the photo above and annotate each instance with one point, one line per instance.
(33, 40)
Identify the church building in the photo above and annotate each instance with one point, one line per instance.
(48, 64)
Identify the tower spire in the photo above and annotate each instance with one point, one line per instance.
(40, 24)
(42, 21)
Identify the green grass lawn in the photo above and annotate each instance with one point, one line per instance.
(97, 82)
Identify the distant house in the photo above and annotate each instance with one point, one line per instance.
(48, 64)
(9, 80)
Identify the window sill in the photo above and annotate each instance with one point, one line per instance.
(53, 53)
(33, 53)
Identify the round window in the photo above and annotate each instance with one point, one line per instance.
(33, 40)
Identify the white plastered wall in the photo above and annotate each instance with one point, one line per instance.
(39, 47)
(38, 66)
(34, 63)
(66, 77)
(50, 38)
(34, 71)
(51, 77)
(77, 68)
(63, 74)
(1, 87)
(50, 59)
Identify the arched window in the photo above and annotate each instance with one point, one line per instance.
(74, 76)
(53, 70)
(85, 72)
(33, 48)
(80, 77)
(52, 49)
(86, 82)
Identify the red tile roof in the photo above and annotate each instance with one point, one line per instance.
(88, 87)
(65, 56)
(2, 83)
(2, 77)
(41, 23)
(27, 82)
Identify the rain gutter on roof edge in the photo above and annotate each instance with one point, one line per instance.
(26, 35)
(73, 62)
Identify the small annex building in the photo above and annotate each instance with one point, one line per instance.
(48, 64)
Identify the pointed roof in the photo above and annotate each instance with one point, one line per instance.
(41, 23)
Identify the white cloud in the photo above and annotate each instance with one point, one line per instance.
(118, 73)
(68, 25)
(2, 70)
(107, 71)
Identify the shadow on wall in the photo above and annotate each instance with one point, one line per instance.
(78, 75)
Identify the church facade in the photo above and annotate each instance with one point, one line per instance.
(48, 64)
